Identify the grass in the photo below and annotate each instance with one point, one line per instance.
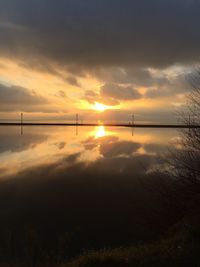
(179, 249)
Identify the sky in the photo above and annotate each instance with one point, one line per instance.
(101, 59)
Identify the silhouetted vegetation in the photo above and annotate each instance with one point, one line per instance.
(177, 250)
(185, 160)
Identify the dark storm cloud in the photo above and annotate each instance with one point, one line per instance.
(129, 75)
(19, 95)
(93, 97)
(91, 33)
(120, 92)
(112, 94)
(159, 84)
(123, 83)
(169, 87)
(61, 94)
(73, 81)
(17, 98)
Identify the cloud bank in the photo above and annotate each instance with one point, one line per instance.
(153, 33)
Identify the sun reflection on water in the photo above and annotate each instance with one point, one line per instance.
(100, 132)
(41, 146)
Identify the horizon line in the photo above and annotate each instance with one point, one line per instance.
(129, 125)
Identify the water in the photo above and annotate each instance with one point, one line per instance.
(92, 184)
(39, 146)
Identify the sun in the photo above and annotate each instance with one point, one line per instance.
(100, 107)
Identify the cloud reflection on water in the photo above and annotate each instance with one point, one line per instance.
(92, 187)
(43, 146)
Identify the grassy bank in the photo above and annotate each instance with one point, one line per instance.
(178, 249)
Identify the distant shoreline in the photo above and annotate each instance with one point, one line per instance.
(97, 124)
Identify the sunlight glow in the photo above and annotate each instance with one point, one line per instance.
(100, 132)
(100, 107)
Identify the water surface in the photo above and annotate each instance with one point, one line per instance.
(38, 146)
(93, 184)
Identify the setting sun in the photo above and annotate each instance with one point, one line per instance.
(100, 107)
